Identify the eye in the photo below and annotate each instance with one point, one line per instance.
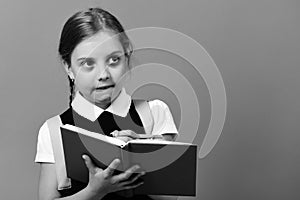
(88, 63)
(114, 60)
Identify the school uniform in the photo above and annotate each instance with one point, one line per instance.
(120, 115)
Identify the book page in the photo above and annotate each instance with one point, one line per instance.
(98, 136)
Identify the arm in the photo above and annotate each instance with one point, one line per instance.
(101, 182)
(48, 186)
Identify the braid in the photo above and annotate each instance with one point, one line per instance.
(71, 84)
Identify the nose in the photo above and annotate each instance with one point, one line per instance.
(103, 74)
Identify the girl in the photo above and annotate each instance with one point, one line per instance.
(95, 53)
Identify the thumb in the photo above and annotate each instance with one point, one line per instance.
(128, 133)
(114, 133)
(89, 164)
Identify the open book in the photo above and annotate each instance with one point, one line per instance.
(170, 166)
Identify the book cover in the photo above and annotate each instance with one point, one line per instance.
(170, 166)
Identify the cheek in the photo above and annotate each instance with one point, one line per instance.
(84, 82)
(119, 75)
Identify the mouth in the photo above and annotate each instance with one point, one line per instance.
(105, 87)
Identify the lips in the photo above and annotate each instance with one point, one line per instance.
(104, 87)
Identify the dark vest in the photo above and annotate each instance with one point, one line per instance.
(105, 124)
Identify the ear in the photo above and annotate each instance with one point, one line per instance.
(68, 70)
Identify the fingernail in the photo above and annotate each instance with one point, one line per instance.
(114, 133)
(83, 156)
(143, 173)
(136, 166)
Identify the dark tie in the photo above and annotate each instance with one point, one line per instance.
(107, 123)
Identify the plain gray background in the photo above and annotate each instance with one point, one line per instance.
(255, 44)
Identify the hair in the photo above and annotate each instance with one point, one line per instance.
(85, 24)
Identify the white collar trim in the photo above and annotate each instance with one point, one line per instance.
(120, 106)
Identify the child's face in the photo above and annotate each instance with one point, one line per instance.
(97, 62)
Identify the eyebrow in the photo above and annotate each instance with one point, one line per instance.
(115, 52)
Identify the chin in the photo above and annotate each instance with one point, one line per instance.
(103, 103)
(103, 100)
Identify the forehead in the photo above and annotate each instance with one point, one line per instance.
(100, 44)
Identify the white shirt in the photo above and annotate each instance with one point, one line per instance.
(162, 120)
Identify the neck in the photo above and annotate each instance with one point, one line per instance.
(103, 105)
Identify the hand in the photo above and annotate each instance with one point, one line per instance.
(169, 136)
(102, 182)
(125, 135)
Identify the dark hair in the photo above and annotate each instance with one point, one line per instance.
(85, 24)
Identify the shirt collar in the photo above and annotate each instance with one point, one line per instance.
(120, 106)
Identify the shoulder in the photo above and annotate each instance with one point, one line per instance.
(58, 118)
(162, 117)
(44, 131)
(157, 104)
(44, 144)
(52, 122)
(159, 109)
(44, 151)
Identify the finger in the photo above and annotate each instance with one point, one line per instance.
(131, 134)
(124, 138)
(128, 133)
(125, 175)
(133, 180)
(111, 168)
(127, 187)
(89, 164)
